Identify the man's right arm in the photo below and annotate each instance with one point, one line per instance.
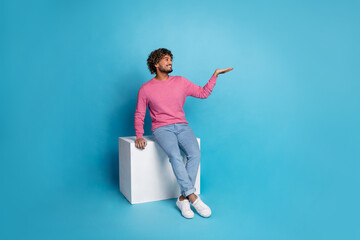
(140, 113)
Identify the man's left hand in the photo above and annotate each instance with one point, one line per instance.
(220, 71)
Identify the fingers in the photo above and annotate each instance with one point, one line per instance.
(228, 69)
(225, 70)
(141, 144)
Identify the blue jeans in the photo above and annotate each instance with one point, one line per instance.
(170, 138)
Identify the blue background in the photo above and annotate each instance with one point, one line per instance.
(279, 133)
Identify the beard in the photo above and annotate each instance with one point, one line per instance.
(165, 70)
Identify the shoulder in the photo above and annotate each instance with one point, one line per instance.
(182, 79)
(145, 85)
(142, 90)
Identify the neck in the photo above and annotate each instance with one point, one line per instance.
(161, 76)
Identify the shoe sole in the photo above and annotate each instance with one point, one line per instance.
(205, 216)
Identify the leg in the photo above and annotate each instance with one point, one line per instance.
(189, 144)
(192, 197)
(167, 139)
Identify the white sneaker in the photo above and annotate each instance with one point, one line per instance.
(201, 207)
(184, 207)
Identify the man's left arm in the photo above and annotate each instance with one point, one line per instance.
(203, 92)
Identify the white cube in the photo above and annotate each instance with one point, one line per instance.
(146, 175)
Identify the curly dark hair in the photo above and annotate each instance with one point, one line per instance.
(155, 56)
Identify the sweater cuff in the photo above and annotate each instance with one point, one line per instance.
(139, 136)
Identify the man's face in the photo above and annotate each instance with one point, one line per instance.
(165, 64)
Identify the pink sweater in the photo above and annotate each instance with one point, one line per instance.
(166, 100)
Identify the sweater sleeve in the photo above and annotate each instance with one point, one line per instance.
(140, 113)
(197, 91)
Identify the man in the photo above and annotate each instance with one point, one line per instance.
(165, 95)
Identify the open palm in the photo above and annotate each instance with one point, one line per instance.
(220, 71)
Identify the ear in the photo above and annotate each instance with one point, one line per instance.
(156, 65)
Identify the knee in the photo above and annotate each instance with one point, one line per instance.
(175, 157)
(195, 155)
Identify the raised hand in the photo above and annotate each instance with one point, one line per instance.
(220, 71)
